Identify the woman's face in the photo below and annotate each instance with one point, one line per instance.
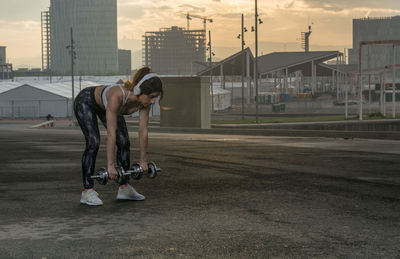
(149, 99)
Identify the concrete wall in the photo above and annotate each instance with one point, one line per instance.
(375, 29)
(186, 102)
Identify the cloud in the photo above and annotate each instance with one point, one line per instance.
(13, 25)
(16, 10)
(290, 4)
(339, 5)
(131, 11)
(192, 8)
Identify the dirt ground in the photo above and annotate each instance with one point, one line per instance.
(218, 196)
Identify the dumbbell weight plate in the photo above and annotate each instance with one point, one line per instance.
(136, 171)
(101, 176)
(121, 177)
(152, 173)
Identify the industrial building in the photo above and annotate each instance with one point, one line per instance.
(375, 29)
(94, 32)
(6, 70)
(174, 51)
(276, 72)
(124, 62)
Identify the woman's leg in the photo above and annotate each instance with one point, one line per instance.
(122, 141)
(87, 119)
(123, 144)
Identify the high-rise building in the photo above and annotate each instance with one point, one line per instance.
(174, 51)
(45, 34)
(2, 55)
(375, 29)
(94, 26)
(124, 61)
(6, 70)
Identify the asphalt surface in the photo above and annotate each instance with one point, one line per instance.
(219, 196)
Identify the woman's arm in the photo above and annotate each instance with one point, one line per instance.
(113, 107)
(143, 136)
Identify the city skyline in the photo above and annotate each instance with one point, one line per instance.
(283, 22)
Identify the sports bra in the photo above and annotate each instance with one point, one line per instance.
(104, 92)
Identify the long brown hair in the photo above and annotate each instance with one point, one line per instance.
(147, 87)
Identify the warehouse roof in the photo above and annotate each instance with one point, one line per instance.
(275, 62)
(63, 89)
(60, 85)
(294, 61)
(6, 86)
(231, 64)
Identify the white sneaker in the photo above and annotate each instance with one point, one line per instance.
(129, 193)
(90, 197)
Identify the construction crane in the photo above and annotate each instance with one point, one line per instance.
(188, 18)
(205, 20)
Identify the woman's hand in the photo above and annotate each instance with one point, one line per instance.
(112, 172)
(144, 166)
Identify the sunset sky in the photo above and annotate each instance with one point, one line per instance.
(283, 21)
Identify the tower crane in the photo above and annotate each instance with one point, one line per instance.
(188, 18)
(205, 20)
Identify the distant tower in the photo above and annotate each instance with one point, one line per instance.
(2, 55)
(6, 70)
(94, 24)
(305, 39)
(45, 41)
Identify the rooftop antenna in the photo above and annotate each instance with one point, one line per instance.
(305, 39)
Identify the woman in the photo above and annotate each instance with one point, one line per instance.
(110, 103)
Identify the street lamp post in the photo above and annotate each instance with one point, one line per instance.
(211, 71)
(256, 61)
(241, 36)
(243, 64)
(72, 72)
(71, 48)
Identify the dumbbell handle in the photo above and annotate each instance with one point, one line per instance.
(130, 171)
(135, 172)
(102, 175)
(97, 176)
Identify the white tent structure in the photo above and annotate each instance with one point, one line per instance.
(32, 100)
(38, 98)
(222, 99)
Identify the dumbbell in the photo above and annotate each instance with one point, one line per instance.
(135, 172)
(102, 175)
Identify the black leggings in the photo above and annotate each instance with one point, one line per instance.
(86, 111)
